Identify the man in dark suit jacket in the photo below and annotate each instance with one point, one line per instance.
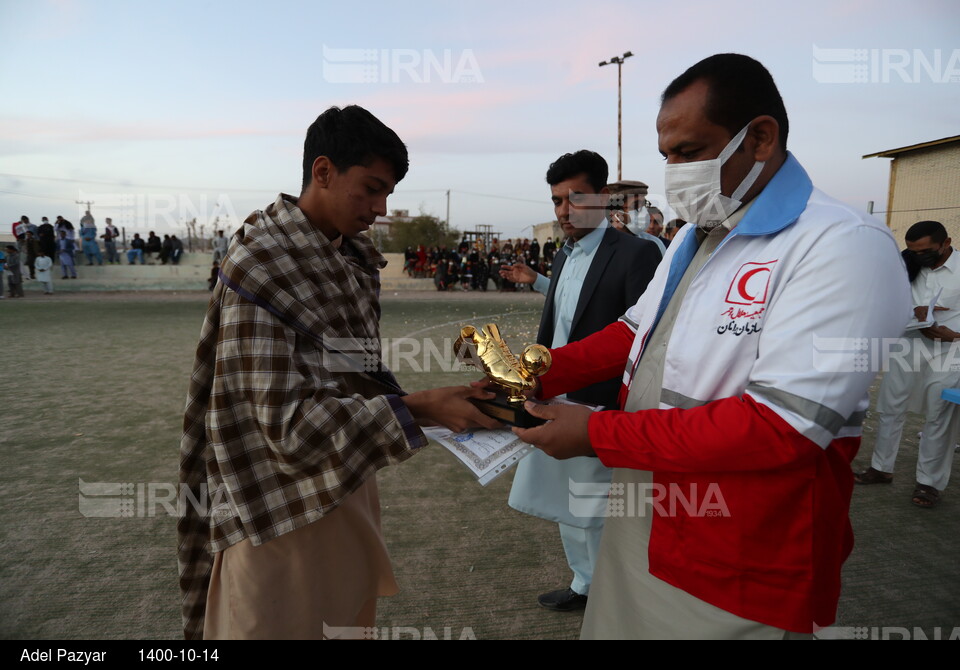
(596, 276)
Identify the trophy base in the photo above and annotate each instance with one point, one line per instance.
(501, 409)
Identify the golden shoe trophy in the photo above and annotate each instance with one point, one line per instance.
(511, 378)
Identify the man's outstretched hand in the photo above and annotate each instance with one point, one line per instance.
(518, 273)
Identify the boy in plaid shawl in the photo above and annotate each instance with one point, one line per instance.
(283, 433)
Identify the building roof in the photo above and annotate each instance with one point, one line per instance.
(890, 153)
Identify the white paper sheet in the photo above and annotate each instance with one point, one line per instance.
(489, 453)
(931, 318)
(486, 453)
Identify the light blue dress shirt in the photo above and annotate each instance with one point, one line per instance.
(580, 255)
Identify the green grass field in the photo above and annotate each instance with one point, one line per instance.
(94, 391)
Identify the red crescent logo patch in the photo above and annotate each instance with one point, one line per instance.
(750, 284)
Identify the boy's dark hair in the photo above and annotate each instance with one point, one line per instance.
(352, 136)
(932, 229)
(585, 162)
(740, 90)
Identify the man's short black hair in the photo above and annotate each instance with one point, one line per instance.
(352, 136)
(585, 162)
(740, 90)
(932, 229)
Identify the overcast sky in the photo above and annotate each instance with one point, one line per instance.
(160, 111)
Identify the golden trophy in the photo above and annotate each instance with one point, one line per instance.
(511, 378)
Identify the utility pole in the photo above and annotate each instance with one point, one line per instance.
(88, 203)
(446, 224)
(619, 61)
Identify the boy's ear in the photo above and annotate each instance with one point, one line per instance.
(323, 171)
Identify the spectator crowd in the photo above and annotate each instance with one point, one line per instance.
(37, 248)
(472, 266)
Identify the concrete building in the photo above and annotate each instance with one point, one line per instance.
(544, 231)
(924, 185)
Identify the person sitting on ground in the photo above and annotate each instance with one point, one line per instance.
(165, 248)
(152, 246)
(136, 249)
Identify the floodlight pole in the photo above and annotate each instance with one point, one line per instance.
(619, 61)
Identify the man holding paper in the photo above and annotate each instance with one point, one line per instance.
(917, 378)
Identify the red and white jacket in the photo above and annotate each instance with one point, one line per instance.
(764, 392)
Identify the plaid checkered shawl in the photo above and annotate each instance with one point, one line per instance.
(274, 436)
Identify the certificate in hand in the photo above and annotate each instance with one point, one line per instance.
(914, 324)
(488, 453)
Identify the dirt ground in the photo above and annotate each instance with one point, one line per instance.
(94, 393)
(98, 398)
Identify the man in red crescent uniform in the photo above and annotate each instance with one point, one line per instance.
(728, 514)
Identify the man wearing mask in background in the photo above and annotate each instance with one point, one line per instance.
(735, 438)
(655, 227)
(627, 199)
(915, 382)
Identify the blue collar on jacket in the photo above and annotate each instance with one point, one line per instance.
(780, 203)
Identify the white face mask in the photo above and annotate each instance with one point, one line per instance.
(635, 226)
(693, 189)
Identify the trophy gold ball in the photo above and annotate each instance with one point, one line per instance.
(536, 359)
(511, 378)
